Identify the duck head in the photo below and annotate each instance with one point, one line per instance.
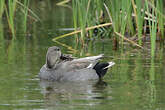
(52, 57)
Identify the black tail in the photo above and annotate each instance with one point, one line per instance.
(99, 67)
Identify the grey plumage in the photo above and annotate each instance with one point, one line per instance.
(57, 69)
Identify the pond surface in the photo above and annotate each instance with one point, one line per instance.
(136, 82)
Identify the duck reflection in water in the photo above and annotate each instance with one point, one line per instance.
(56, 93)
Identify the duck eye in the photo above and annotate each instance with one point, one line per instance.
(57, 49)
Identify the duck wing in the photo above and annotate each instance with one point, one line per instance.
(91, 58)
(81, 63)
(66, 57)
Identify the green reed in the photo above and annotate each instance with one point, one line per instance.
(140, 19)
(86, 13)
(25, 10)
(1, 31)
(129, 17)
(120, 15)
(11, 9)
(114, 9)
(80, 13)
(75, 14)
(152, 28)
(2, 4)
(161, 17)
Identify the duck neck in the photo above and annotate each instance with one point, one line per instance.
(50, 63)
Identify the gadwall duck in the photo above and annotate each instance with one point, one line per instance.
(61, 67)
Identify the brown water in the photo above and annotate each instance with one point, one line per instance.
(136, 82)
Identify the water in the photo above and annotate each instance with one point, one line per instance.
(135, 82)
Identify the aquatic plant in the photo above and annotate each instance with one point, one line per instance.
(2, 4)
(10, 10)
(131, 19)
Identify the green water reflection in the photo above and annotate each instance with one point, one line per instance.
(135, 82)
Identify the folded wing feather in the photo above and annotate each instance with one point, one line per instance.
(76, 64)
